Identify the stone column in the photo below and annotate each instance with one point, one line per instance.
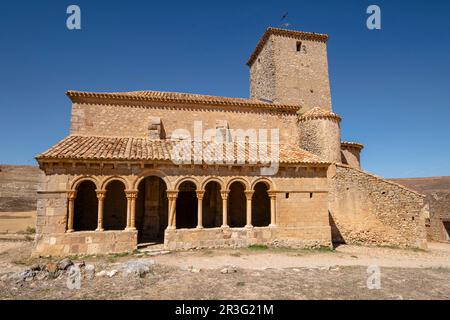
(131, 209)
(172, 196)
(71, 196)
(200, 194)
(249, 195)
(224, 195)
(101, 200)
(273, 198)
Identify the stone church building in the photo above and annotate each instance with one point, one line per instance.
(139, 167)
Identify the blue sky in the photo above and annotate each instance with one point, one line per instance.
(391, 86)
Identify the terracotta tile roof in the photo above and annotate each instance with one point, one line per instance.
(177, 97)
(285, 33)
(142, 149)
(352, 144)
(318, 113)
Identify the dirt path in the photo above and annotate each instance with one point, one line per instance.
(437, 256)
(259, 274)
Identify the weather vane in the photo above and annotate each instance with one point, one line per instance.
(283, 21)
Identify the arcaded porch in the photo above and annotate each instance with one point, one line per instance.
(159, 209)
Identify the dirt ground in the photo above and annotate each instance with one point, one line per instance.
(13, 222)
(252, 273)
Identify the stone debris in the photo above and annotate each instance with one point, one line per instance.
(192, 269)
(64, 264)
(228, 269)
(101, 273)
(111, 273)
(89, 270)
(138, 267)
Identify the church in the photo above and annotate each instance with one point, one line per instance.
(198, 171)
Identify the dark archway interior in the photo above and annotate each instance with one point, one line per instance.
(86, 207)
(212, 206)
(260, 206)
(151, 210)
(186, 208)
(115, 210)
(237, 205)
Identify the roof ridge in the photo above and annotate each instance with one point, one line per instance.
(180, 97)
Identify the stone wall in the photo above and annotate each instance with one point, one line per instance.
(262, 74)
(437, 190)
(18, 186)
(439, 226)
(321, 137)
(86, 242)
(120, 120)
(183, 239)
(284, 75)
(351, 156)
(370, 210)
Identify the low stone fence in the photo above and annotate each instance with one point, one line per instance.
(182, 239)
(85, 243)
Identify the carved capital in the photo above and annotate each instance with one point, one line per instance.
(249, 194)
(272, 194)
(200, 194)
(224, 194)
(71, 195)
(131, 194)
(101, 194)
(172, 194)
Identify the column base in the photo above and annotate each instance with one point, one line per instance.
(99, 229)
(248, 226)
(272, 225)
(70, 231)
(199, 227)
(225, 226)
(171, 228)
(130, 229)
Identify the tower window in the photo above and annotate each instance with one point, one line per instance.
(299, 46)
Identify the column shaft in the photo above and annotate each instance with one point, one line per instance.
(224, 195)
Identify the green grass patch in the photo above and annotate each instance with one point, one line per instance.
(258, 247)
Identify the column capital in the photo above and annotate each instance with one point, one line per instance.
(200, 194)
(172, 194)
(131, 194)
(100, 194)
(272, 194)
(249, 193)
(71, 195)
(224, 194)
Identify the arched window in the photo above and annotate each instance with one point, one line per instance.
(260, 205)
(237, 204)
(85, 207)
(186, 208)
(115, 210)
(212, 206)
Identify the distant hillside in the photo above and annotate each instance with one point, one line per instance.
(18, 186)
(426, 185)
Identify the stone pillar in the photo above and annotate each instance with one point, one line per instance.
(249, 195)
(224, 195)
(101, 200)
(172, 196)
(131, 209)
(71, 196)
(200, 194)
(273, 198)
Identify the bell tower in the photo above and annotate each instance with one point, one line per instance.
(291, 67)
